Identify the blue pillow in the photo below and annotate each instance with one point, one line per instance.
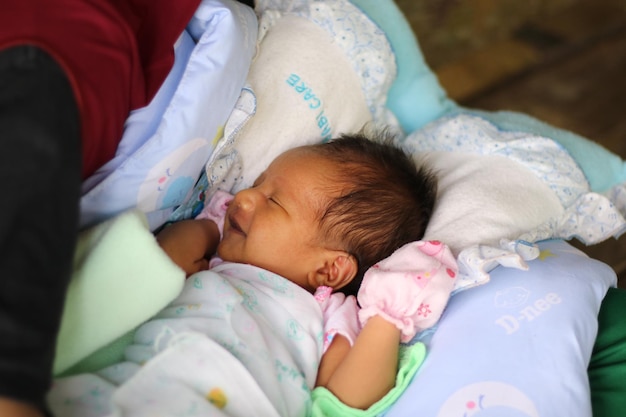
(516, 346)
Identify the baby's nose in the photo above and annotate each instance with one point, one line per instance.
(247, 199)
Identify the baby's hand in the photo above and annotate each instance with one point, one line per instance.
(189, 243)
(410, 288)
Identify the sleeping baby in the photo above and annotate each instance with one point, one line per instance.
(270, 326)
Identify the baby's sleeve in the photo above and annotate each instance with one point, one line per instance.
(340, 315)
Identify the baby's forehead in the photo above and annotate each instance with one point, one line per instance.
(306, 151)
(302, 160)
(308, 172)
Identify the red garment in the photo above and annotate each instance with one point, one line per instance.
(115, 52)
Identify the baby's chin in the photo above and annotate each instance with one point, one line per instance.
(227, 255)
(223, 254)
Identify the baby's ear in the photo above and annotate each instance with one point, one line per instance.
(342, 269)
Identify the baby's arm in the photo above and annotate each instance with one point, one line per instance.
(189, 243)
(362, 374)
(399, 296)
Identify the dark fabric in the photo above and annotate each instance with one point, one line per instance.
(247, 2)
(607, 368)
(116, 54)
(70, 73)
(40, 177)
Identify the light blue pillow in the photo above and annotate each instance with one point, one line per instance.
(416, 98)
(518, 346)
(603, 169)
(166, 144)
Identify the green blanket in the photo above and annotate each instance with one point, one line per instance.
(121, 278)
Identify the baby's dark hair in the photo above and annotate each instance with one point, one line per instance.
(386, 200)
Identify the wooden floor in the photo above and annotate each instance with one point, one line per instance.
(567, 67)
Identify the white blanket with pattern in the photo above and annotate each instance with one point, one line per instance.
(238, 341)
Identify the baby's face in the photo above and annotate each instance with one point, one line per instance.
(275, 224)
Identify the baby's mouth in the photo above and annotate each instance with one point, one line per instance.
(234, 226)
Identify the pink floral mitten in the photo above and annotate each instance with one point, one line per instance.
(410, 288)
